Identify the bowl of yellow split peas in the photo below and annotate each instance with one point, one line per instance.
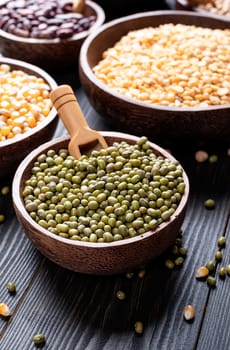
(27, 117)
(164, 74)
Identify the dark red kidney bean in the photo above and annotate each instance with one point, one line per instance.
(3, 21)
(65, 33)
(43, 18)
(42, 26)
(21, 32)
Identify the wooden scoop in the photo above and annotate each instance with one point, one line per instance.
(83, 139)
(78, 5)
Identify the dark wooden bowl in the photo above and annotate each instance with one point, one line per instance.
(12, 151)
(50, 53)
(199, 124)
(185, 5)
(96, 258)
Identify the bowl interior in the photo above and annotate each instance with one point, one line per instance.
(98, 258)
(13, 150)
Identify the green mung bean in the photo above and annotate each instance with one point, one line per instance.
(112, 194)
(221, 241)
(11, 287)
(39, 339)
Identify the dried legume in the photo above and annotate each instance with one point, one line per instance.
(139, 327)
(170, 65)
(219, 7)
(11, 287)
(39, 339)
(43, 19)
(189, 312)
(211, 281)
(209, 203)
(4, 310)
(201, 156)
(202, 272)
(120, 295)
(112, 194)
(24, 102)
(222, 272)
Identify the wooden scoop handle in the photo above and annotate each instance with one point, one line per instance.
(68, 109)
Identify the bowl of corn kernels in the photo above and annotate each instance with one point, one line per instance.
(27, 117)
(48, 34)
(213, 7)
(164, 74)
(107, 212)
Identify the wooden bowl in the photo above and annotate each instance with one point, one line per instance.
(12, 151)
(186, 5)
(50, 53)
(161, 123)
(96, 258)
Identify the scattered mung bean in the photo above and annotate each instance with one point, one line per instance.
(218, 255)
(2, 218)
(211, 281)
(11, 287)
(221, 242)
(120, 295)
(5, 190)
(222, 272)
(139, 327)
(209, 203)
(169, 264)
(211, 265)
(39, 339)
(213, 158)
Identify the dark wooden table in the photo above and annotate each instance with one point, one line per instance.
(78, 312)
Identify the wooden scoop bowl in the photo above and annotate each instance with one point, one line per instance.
(83, 139)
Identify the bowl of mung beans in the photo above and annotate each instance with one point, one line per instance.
(164, 74)
(213, 8)
(27, 117)
(48, 34)
(105, 213)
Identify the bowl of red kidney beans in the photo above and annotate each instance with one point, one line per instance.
(48, 34)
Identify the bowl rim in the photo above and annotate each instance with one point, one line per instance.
(19, 205)
(88, 72)
(100, 18)
(186, 4)
(52, 84)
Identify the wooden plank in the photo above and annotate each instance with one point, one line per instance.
(217, 319)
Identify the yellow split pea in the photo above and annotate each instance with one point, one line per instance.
(170, 65)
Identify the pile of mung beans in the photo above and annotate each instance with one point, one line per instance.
(219, 7)
(24, 101)
(112, 194)
(43, 19)
(170, 65)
